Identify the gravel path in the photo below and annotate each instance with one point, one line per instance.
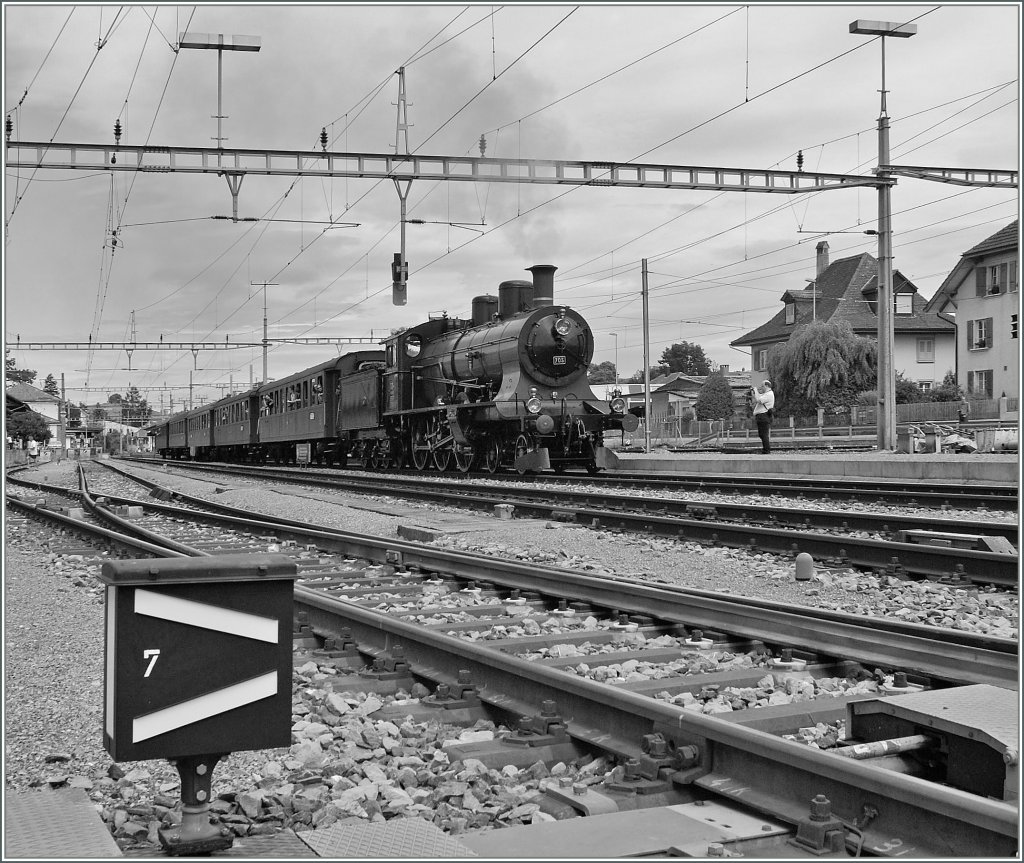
(53, 642)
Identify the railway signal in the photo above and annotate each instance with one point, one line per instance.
(399, 278)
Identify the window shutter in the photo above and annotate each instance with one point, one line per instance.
(979, 281)
(970, 335)
(988, 332)
(1003, 272)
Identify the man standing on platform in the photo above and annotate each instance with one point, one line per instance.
(764, 413)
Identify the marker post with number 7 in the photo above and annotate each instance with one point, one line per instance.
(198, 665)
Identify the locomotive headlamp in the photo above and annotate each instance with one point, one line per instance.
(618, 405)
(533, 392)
(563, 325)
(533, 405)
(554, 394)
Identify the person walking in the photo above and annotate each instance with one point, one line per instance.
(764, 413)
(33, 450)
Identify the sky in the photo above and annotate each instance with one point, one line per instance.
(139, 257)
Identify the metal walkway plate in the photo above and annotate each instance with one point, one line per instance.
(55, 824)
(399, 837)
(285, 845)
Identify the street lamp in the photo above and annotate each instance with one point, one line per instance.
(886, 373)
(616, 337)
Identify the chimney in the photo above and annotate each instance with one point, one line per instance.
(822, 250)
(723, 368)
(543, 284)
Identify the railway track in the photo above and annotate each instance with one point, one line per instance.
(873, 491)
(525, 641)
(943, 549)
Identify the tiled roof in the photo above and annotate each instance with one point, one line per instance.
(27, 393)
(845, 291)
(1004, 239)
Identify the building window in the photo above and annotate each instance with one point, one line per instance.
(1013, 326)
(980, 383)
(790, 313)
(993, 279)
(904, 304)
(925, 386)
(1013, 277)
(979, 334)
(762, 360)
(926, 350)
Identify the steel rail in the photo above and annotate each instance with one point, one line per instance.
(93, 530)
(604, 716)
(768, 515)
(887, 556)
(915, 648)
(943, 654)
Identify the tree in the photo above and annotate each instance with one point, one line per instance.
(134, 410)
(947, 391)
(50, 386)
(823, 365)
(714, 400)
(656, 372)
(23, 424)
(687, 358)
(908, 392)
(15, 375)
(601, 374)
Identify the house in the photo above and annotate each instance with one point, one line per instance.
(924, 341)
(674, 394)
(981, 293)
(22, 395)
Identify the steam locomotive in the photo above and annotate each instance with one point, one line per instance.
(506, 388)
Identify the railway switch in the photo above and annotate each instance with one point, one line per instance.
(198, 664)
(976, 728)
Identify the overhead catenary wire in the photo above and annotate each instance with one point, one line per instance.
(363, 258)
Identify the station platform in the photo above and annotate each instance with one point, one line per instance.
(999, 469)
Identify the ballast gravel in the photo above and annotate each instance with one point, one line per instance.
(344, 763)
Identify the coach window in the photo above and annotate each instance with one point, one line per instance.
(318, 390)
(413, 346)
(305, 394)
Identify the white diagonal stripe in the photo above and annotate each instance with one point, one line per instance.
(206, 616)
(203, 707)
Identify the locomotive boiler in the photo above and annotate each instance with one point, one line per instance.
(507, 388)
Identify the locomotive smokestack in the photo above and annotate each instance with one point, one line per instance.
(543, 284)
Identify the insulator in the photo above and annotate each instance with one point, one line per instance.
(483, 145)
(800, 160)
(323, 138)
(117, 131)
(8, 127)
